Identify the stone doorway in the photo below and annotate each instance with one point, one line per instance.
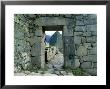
(54, 58)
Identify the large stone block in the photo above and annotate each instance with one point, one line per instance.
(80, 28)
(93, 51)
(92, 58)
(94, 33)
(79, 23)
(18, 34)
(68, 39)
(33, 40)
(67, 31)
(42, 60)
(19, 42)
(86, 65)
(69, 22)
(95, 65)
(68, 49)
(87, 34)
(87, 45)
(94, 44)
(78, 33)
(67, 62)
(36, 61)
(68, 15)
(38, 21)
(92, 16)
(27, 47)
(38, 33)
(79, 17)
(91, 28)
(52, 21)
(36, 50)
(90, 22)
(76, 63)
(32, 15)
(92, 39)
(92, 71)
(82, 51)
(77, 39)
(83, 39)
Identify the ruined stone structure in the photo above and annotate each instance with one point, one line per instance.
(79, 40)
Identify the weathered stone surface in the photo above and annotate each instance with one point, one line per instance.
(38, 21)
(92, 16)
(92, 58)
(86, 65)
(79, 17)
(93, 51)
(94, 44)
(50, 71)
(78, 33)
(91, 28)
(81, 51)
(69, 22)
(90, 21)
(92, 71)
(19, 35)
(69, 49)
(38, 33)
(68, 31)
(83, 39)
(63, 73)
(87, 34)
(57, 72)
(33, 40)
(92, 39)
(36, 50)
(67, 61)
(68, 15)
(42, 58)
(36, 61)
(94, 33)
(95, 65)
(53, 21)
(76, 63)
(79, 23)
(32, 15)
(68, 39)
(77, 39)
(87, 45)
(80, 28)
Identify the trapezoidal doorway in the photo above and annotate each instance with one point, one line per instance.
(53, 39)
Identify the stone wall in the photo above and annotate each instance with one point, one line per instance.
(85, 42)
(21, 43)
(79, 40)
(27, 42)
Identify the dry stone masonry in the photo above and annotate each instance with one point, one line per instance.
(79, 40)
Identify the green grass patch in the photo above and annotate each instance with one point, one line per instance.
(78, 72)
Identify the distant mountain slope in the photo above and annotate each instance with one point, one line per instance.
(47, 38)
(56, 39)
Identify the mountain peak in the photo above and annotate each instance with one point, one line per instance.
(54, 38)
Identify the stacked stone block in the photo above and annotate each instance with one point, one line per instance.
(85, 41)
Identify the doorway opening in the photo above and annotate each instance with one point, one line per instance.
(54, 58)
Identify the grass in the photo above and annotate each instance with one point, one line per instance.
(78, 72)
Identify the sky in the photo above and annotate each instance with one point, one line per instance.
(51, 32)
